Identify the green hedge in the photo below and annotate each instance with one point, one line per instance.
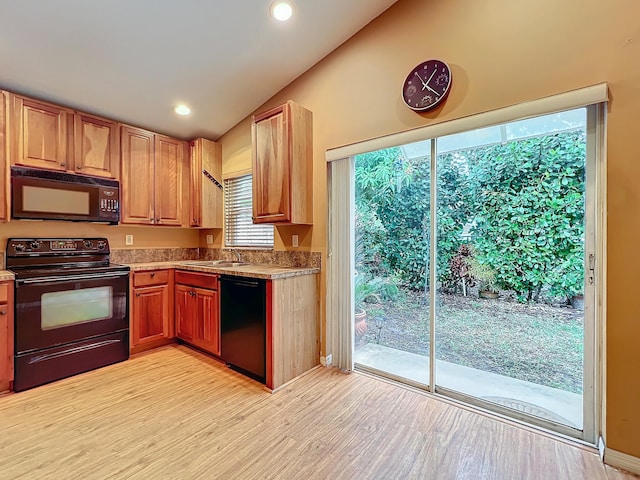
(525, 200)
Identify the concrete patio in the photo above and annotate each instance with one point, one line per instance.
(538, 400)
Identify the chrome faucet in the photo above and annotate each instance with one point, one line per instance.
(238, 256)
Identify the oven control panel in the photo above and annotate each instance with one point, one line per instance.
(39, 246)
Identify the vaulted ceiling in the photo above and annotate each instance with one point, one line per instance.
(134, 60)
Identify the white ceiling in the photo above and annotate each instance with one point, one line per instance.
(133, 60)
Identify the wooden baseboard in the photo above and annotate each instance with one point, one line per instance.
(622, 460)
(286, 384)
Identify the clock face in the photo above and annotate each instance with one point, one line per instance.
(426, 85)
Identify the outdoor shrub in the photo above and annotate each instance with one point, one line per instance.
(529, 199)
(398, 190)
(524, 201)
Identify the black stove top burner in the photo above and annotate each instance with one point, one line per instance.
(43, 257)
(46, 247)
(26, 273)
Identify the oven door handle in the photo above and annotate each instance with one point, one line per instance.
(71, 351)
(70, 278)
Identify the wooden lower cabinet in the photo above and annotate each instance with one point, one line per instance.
(293, 335)
(197, 310)
(186, 304)
(6, 336)
(151, 309)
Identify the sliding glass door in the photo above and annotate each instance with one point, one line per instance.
(392, 245)
(515, 338)
(474, 260)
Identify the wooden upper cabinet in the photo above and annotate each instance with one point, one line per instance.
(4, 191)
(48, 136)
(206, 205)
(282, 164)
(137, 176)
(38, 133)
(169, 160)
(152, 178)
(96, 145)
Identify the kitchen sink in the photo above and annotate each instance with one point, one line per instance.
(214, 263)
(230, 264)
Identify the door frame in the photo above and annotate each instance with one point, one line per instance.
(594, 98)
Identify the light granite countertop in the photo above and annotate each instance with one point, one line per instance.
(270, 272)
(6, 275)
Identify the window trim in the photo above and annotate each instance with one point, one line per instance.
(582, 97)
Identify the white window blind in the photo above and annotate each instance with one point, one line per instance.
(238, 225)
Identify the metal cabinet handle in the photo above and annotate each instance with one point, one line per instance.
(137, 294)
(78, 167)
(3, 312)
(153, 274)
(62, 164)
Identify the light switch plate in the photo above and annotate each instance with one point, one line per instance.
(209, 239)
(128, 239)
(294, 240)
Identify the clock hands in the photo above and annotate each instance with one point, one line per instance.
(426, 84)
(432, 90)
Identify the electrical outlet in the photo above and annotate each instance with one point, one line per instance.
(209, 239)
(294, 240)
(128, 239)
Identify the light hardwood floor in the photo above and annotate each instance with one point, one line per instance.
(176, 414)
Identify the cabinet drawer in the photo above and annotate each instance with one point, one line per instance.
(145, 279)
(203, 280)
(4, 292)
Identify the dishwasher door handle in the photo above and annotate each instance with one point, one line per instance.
(242, 283)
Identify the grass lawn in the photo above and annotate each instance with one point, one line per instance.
(537, 343)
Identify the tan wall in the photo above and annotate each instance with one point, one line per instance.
(501, 53)
(143, 237)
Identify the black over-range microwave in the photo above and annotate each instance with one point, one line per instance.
(48, 195)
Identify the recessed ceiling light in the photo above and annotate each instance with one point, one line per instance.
(281, 11)
(182, 109)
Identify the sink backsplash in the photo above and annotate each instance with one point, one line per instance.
(270, 257)
(284, 259)
(147, 255)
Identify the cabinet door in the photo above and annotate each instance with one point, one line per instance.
(186, 310)
(39, 134)
(206, 184)
(97, 149)
(271, 164)
(137, 176)
(6, 336)
(150, 314)
(208, 321)
(4, 194)
(169, 159)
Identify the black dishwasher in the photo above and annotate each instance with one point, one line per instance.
(243, 323)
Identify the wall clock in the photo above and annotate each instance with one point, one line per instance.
(426, 85)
